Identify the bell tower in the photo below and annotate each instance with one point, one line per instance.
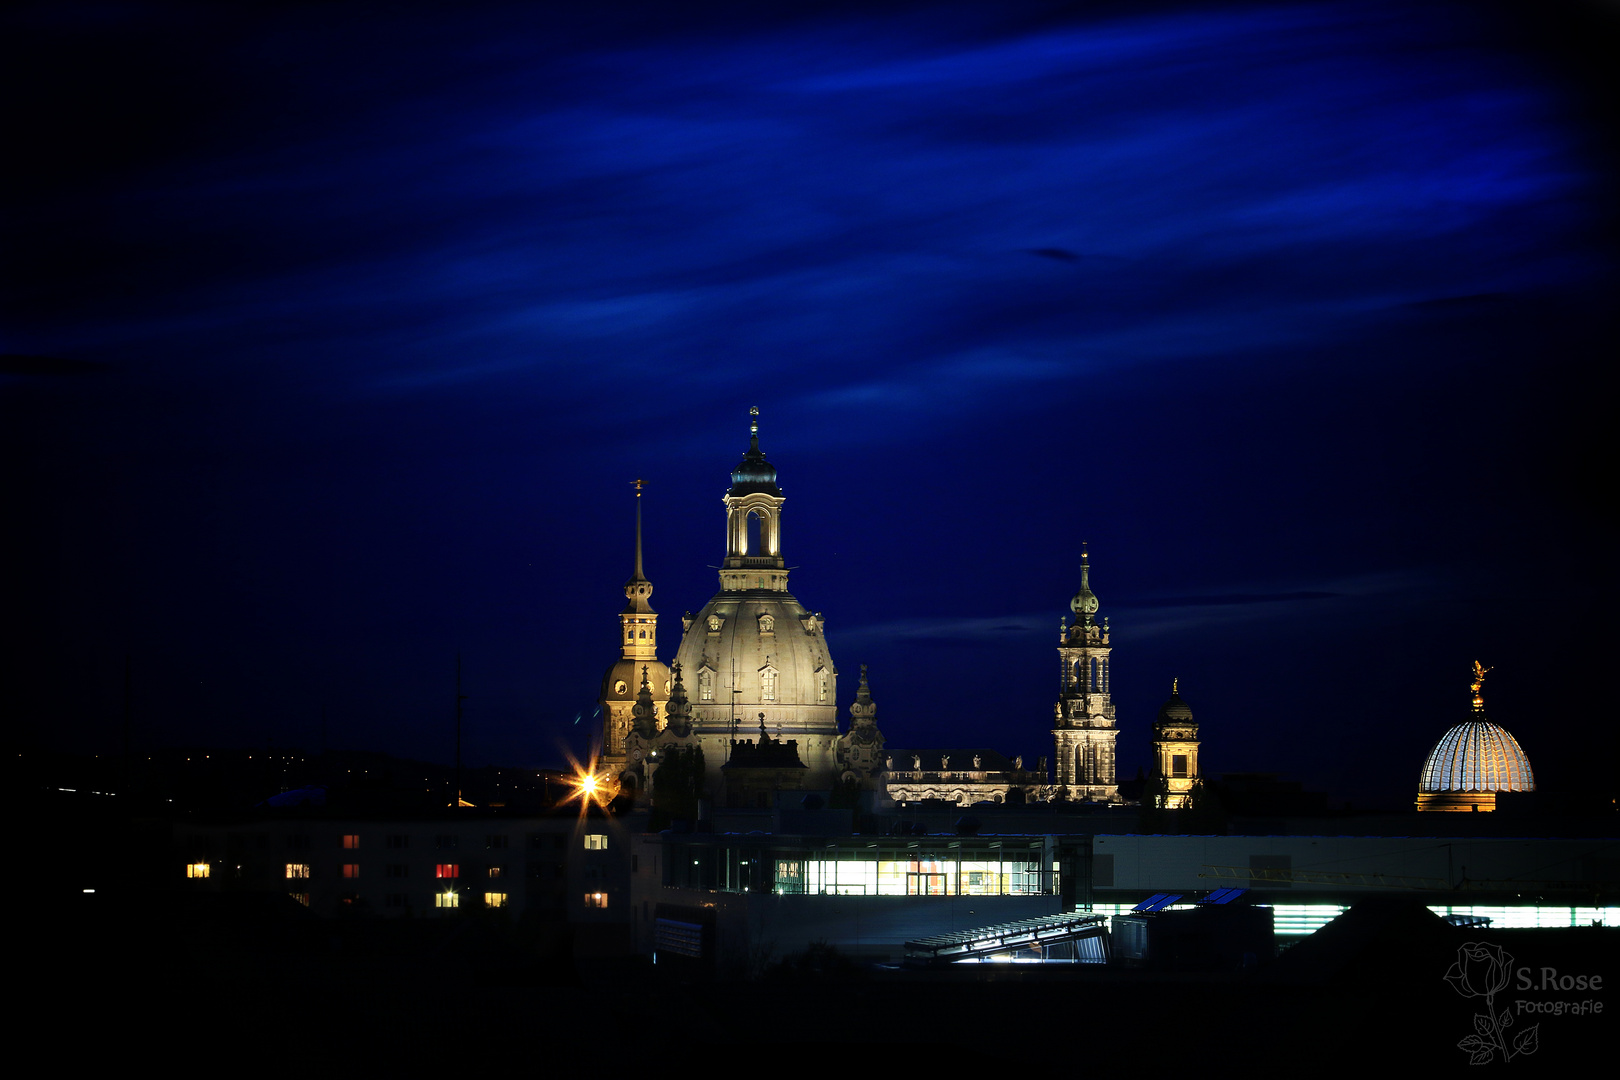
(638, 622)
(637, 663)
(1084, 729)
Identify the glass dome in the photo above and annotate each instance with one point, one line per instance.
(1476, 755)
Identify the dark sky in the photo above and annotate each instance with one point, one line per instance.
(337, 333)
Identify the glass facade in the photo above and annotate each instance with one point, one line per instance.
(978, 870)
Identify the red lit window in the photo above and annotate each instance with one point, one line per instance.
(351, 841)
(351, 869)
(447, 870)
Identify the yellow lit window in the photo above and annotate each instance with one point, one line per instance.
(297, 870)
(595, 841)
(351, 869)
(351, 841)
(446, 900)
(494, 899)
(197, 870)
(596, 899)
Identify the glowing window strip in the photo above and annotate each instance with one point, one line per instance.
(1520, 917)
(1302, 920)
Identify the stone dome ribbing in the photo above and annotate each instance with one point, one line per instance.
(1476, 755)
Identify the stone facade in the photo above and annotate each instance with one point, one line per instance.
(960, 775)
(1084, 728)
(1175, 753)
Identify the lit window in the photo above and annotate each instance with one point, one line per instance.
(494, 899)
(351, 841)
(301, 897)
(821, 687)
(497, 871)
(298, 870)
(351, 869)
(446, 900)
(705, 685)
(767, 685)
(714, 622)
(447, 870)
(767, 625)
(595, 841)
(596, 899)
(197, 870)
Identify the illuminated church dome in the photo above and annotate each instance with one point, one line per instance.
(1472, 762)
(754, 652)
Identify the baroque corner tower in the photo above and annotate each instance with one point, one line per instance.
(1084, 728)
(1175, 753)
(638, 664)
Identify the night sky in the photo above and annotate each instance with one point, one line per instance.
(336, 336)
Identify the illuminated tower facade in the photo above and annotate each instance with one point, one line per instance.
(753, 649)
(1084, 730)
(638, 662)
(1175, 752)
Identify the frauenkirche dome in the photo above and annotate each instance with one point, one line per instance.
(754, 650)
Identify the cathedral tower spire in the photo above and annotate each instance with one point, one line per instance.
(637, 667)
(1084, 728)
(638, 622)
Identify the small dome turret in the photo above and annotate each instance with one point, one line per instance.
(1174, 712)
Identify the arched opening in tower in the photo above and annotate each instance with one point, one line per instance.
(751, 539)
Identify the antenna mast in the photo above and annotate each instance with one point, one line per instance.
(460, 697)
